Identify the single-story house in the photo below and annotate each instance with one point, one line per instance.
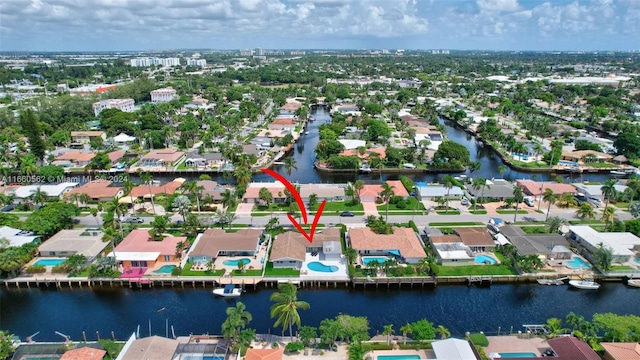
(433, 192)
(208, 160)
(252, 195)
(52, 191)
(537, 189)
(595, 191)
(216, 242)
(18, 237)
(571, 348)
(77, 241)
(498, 189)
(624, 245)
(115, 156)
(577, 156)
(478, 239)
(152, 347)
(371, 192)
(143, 191)
(553, 246)
(352, 144)
(381, 153)
(451, 251)
(404, 244)
(74, 159)
(161, 157)
(289, 249)
(123, 139)
(100, 190)
(84, 353)
(137, 250)
(211, 188)
(85, 137)
(453, 349)
(621, 350)
(329, 192)
(264, 354)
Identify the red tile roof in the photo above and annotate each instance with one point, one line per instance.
(114, 156)
(76, 156)
(96, 189)
(535, 188)
(622, 351)
(138, 241)
(571, 348)
(475, 236)
(143, 189)
(375, 190)
(403, 239)
(84, 353)
(264, 354)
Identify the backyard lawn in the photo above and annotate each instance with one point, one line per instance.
(188, 272)
(411, 204)
(476, 270)
(270, 271)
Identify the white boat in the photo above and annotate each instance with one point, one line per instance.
(306, 133)
(634, 283)
(559, 281)
(228, 291)
(586, 284)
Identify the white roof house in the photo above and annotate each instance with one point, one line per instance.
(453, 349)
(595, 190)
(439, 191)
(352, 144)
(69, 242)
(17, 237)
(123, 138)
(57, 190)
(624, 245)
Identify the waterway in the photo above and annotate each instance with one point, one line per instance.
(457, 307)
(304, 155)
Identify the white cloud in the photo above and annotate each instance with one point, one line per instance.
(498, 5)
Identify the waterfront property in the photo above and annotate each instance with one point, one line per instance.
(18, 237)
(264, 354)
(137, 250)
(74, 159)
(461, 248)
(160, 158)
(145, 191)
(551, 246)
(329, 192)
(498, 189)
(621, 350)
(453, 349)
(403, 245)
(594, 192)
(252, 195)
(371, 192)
(623, 245)
(292, 250)
(537, 189)
(433, 192)
(215, 243)
(100, 190)
(153, 347)
(83, 353)
(77, 241)
(52, 191)
(524, 346)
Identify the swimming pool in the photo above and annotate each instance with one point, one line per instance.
(637, 260)
(201, 357)
(320, 267)
(398, 357)
(577, 263)
(49, 262)
(485, 259)
(570, 163)
(379, 259)
(518, 355)
(165, 269)
(235, 262)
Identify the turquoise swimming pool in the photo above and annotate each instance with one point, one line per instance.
(577, 263)
(49, 262)
(485, 259)
(320, 267)
(235, 262)
(165, 269)
(398, 357)
(518, 355)
(380, 259)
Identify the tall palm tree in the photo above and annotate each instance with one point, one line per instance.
(608, 216)
(386, 193)
(286, 307)
(474, 166)
(115, 210)
(147, 178)
(448, 184)
(476, 185)
(290, 164)
(517, 194)
(554, 223)
(609, 190)
(242, 175)
(405, 329)
(443, 331)
(586, 212)
(388, 330)
(237, 318)
(502, 169)
(127, 186)
(228, 199)
(39, 197)
(193, 189)
(550, 198)
(357, 187)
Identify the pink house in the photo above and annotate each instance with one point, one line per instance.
(137, 250)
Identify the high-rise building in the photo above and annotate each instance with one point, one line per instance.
(163, 95)
(197, 62)
(246, 52)
(259, 52)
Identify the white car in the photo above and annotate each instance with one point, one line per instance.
(464, 201)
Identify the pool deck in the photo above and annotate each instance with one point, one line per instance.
(514, 344)
(424, 354)
(341, 274)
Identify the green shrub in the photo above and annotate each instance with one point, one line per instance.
(176, 271)
(376, 346)
(479, 339)
(36, 269)
(401, 204)
(294, 346)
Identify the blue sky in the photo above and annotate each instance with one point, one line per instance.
(106, 25)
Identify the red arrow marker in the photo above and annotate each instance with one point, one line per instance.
(303, 209)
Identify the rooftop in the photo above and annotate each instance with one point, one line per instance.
(404, 240)
(213, 241)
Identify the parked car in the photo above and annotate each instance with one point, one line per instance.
(529, 201)
(347, 214)
(8, 208)
(134, 220)
(464, 202)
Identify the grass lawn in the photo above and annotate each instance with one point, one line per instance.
(621, 268)
(449, 224)
(450, 212)
(187, 272)
(540, 211)
(586, 222)
(479, 212)
(83, 273)
(621, 205)
(602, 165)
(270, 271)
(526, 164)
(476, 270)
(341, 206)
(412, 203)
(256, 272)
(504, 211)
(534, 229)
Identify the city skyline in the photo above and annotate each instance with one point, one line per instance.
(119, 25)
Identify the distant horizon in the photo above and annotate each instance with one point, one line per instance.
(495, 25)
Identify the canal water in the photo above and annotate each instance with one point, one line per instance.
(459, 308)
(304, 155)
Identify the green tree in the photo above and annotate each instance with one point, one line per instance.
(356, 351)
(159, 227)
(586, 212)
(193, 189)
(100, 162)
(423, 330)
(6, 344)
(147, 179)
(609, 191)
(603, 257)
(237, 319)
(31, 128)
(554, 325)
(518, 196)
(265, 195)
(452, 154)
(443, 331)
(554, 223)
(550, 199)
(290, 164)
(358, 186)
(608, 216)
(386, 194)
(313, 201)
(447, 182)
(286, 306)
(405, 329)
(51, 173)
(52, 218)
(388, 331)
(182, 205)
(308, 334)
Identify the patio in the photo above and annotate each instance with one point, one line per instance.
(340, 274)
(523, 343)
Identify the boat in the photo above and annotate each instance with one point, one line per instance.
(306, 133)
(228, 290)
(559, 281)
(616, 172)
(365, 169)
(587, 284)
(634, 283)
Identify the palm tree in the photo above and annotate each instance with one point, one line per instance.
(115, 210)
(554, 223)
(225, 217)
(474, 166)
(388, 330)
(193, 189)
(586, 212)
(237, 318)
(443, 331)
(289, 164)
(386, 193)
(554, 325)
(608, 215)
(127, 186)
(357, 187)
(242, 175)
(517, 194)
(502, 169)
(286, 307)
(550, 198)
(406, 329)
(609, 190)
(84, 198)
(476, 185)
(39, 197)
(146, 178)
(228, 199)
(448, 184)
